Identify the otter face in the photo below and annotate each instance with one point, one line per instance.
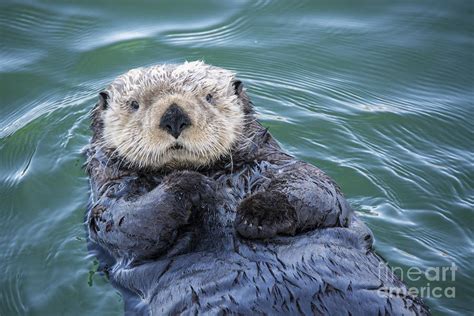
(186, 115)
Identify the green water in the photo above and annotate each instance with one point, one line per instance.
(378, 94)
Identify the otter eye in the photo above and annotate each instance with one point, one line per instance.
(209, 98)
(134, 105)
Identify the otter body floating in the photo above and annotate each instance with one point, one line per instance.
(200, 211)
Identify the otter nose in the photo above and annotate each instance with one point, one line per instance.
(174, 120)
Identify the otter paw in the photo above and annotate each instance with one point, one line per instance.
(191, 184)
(264, 215)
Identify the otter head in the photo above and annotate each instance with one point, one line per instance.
(186, 115)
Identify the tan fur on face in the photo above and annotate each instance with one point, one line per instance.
(136, 136)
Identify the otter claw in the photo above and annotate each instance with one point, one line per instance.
(268, 214)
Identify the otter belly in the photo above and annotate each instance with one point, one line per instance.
(318, 272)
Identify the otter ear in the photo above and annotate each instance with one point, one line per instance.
(238, 87)
(97, 111)
(104, 99)
(242, 95)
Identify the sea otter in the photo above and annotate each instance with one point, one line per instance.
(199, 210)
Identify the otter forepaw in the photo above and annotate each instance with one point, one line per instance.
(264, 215)
(197, 187)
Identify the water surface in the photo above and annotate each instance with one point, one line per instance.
(378, 94)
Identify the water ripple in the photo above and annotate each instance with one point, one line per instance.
(378, 95)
